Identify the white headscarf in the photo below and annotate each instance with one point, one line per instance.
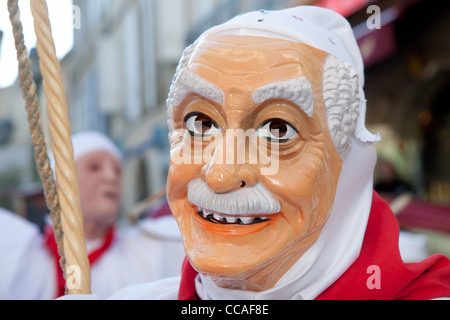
(341, 239)
(87, 142)
(92, 141)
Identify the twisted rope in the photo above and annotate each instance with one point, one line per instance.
(74, 243)
(34, 121)
(63, 199)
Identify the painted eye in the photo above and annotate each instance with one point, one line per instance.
(276, 130)
(199, 124)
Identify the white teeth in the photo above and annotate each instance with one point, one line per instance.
(231, 219)
(246, 220)
(228, 218)
(206, 214)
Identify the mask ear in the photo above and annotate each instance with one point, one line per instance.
(342, 99)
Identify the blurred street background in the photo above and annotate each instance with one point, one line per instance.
(118, 58)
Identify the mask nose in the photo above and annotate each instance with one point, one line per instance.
(225, 174)
(223, 178)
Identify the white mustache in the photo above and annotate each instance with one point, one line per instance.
(246, 201)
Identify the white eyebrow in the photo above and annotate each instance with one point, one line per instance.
(188, 82)
(297, 90)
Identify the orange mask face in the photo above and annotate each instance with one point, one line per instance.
(242, 226)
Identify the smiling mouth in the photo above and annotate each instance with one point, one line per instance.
(220, 218)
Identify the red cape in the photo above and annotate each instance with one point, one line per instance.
(394, 279)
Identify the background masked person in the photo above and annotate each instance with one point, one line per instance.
(118, 257)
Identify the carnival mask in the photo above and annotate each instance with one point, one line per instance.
(254, 167)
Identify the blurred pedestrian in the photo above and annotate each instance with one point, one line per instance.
(149, 251)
